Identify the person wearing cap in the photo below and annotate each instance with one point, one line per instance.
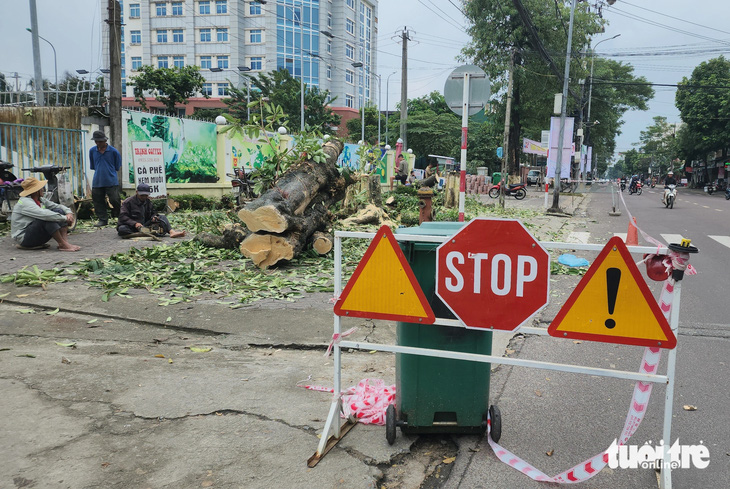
(35, 219)
(106, 161)
(139, 215)
(401, 170)
(669, 180)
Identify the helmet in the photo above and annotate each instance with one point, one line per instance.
(670, 172)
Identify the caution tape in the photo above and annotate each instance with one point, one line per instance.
(637, 408)
(366, 402)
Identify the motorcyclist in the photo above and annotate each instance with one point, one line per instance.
(669, 180)
(632, 185)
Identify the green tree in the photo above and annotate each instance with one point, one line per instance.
(703, 101)
(658, 147)
(170, 86)
(281, 89)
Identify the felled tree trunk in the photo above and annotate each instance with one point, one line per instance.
(266, 250)
(231, 237)
(275, 211)
(322, 242)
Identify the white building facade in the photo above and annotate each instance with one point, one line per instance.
(317, 39)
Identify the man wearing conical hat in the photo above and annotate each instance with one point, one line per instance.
(36, 220)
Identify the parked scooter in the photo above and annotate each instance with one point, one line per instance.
(517, 190)
(240, 181)
(9, 190)
(671, 196)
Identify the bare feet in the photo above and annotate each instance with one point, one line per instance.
(69, 247)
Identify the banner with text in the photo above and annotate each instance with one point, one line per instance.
(567, 147)
(533, 147)
(149, 166)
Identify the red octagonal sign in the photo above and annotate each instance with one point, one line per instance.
(493, 274)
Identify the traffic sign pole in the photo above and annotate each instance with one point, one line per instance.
(464, 133)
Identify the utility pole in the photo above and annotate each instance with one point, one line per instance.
(563, 108)
(38, 85)
(505, 143)
(115, 76)
(405, 37)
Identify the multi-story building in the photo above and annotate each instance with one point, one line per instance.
(320, 40)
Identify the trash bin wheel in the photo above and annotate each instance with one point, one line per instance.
(496, 420)
(390, 424)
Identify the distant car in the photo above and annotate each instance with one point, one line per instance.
(533, 177)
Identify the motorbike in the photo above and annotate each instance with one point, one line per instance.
(710, 188)
(9, 190)
(623, 185)
(242, 186)
(635, 188)
(727, 193)
(671, 196)
(517, 190)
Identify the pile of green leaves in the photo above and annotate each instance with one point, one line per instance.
(35, 277)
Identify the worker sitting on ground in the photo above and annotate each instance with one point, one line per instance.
(432, 175)
(35, 219)
(138, 217)
(411, 178)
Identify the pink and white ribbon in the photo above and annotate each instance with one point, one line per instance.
(637, 408)
(336, 338)
(366, 402)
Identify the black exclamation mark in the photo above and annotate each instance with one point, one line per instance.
(613, 277)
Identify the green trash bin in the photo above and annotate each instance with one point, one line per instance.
(438, 395)
(496, 178)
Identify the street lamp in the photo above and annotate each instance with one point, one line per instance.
(387, 109)
(248, 92)
(55, 63)
(590, 89)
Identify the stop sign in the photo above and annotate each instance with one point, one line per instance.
(493, 274)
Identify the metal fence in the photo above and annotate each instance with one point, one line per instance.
(32, 146)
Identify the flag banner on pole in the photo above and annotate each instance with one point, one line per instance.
(533, 147)
(568, 147)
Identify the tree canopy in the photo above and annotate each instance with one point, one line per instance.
(170, 86)
(703, 101)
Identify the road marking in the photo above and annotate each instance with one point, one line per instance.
(718, 210)
(723, 240)
(695, 203)
(706, 206)
(578, 237)
(672, 238)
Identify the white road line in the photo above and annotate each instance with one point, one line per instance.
(723, 240)
(578, 237)
(672, 238)
(718, 210)
(705, 206)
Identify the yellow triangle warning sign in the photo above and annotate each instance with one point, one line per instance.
(383, 286)
(613, 304)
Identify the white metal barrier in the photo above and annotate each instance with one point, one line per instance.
(332, 424)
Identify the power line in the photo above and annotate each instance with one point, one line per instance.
(675, 18)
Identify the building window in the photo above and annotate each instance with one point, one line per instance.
(177, 9)
(161, 36)
(351, 4)
(350, 77)
(178, 61)
(223, 62)
(254, 8)
(161, 9)
(349, 101)
(162, 62)
(349, 51)
(329, 20)
(204, 9)
(222, 89)
(136, 63)
(135, 37)
(222, 35)
(206, 62)
(254, 36)
(177, 35)
(329, 72)
(134, 10)
(207, 89)
(257, 63)
(350, 26)
(329, 47)
(205, 35)
(221, 7)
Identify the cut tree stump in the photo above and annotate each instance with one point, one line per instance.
(231, 237)
(322, 242)
(293, 192)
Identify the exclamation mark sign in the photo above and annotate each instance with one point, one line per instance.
(613, 277)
